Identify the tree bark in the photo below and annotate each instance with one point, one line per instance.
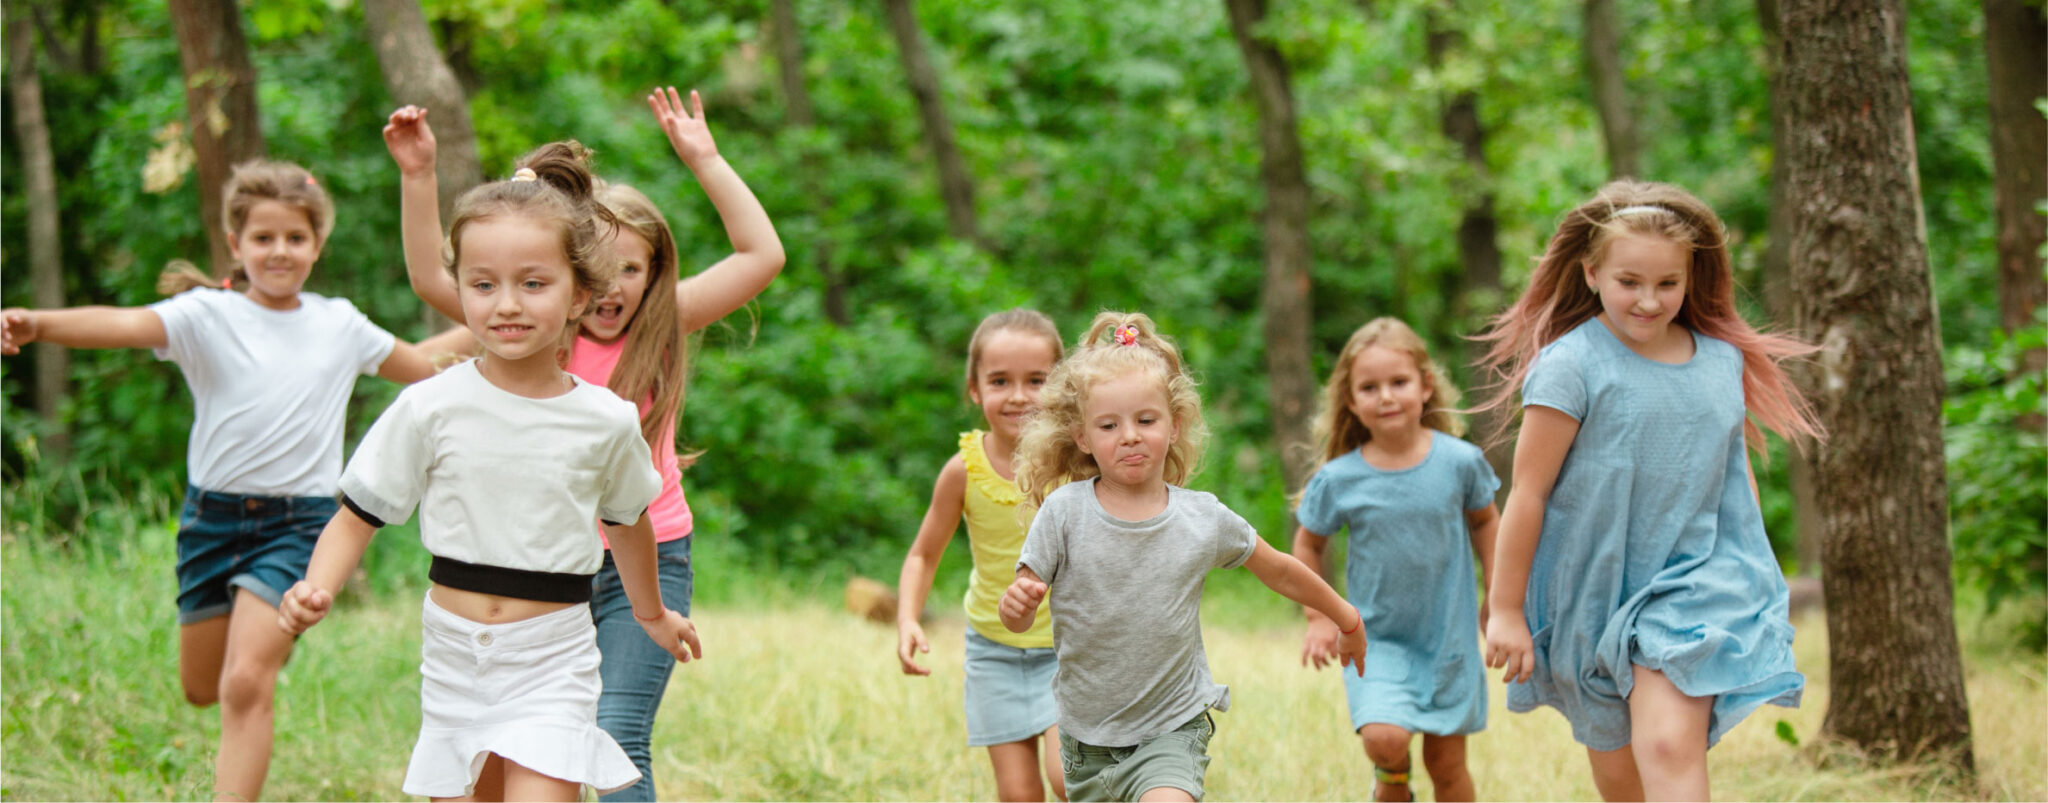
(2016, 51)
(45, 247)
(956, 187)
(788, 36)
(1602, 44)
(416, 75)
(1285, 296)
(1859, 257)
(220, 100)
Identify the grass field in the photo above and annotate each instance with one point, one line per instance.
(799, 701)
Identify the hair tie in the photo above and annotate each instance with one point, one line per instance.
(1127, 335)
(227, 283)
(525, 174)
(1639, 209)
(310, 182)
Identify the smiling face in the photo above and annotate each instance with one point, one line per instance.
(276, 248)
(1012, 370)
(1127, 426)
(615, 310)
(1388, 391)
(518, 292)
(1641, 283)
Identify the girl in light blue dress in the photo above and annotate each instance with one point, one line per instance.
(1635, 590)
(1419, 504)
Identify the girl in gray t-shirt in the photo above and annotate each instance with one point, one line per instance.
(1124, 552)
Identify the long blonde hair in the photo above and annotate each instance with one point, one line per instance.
(1338, 430)
(251, 183)
(655, 361)
(1048, 456)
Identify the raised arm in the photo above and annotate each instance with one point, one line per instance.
(914, 583)
(411, 143)
(757, 251)
(83, 327)
(1539, 452)
(1294, 580)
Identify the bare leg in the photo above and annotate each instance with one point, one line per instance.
(1016, 766)
(201, 648)
(1055, 772)
(1166, 794)
(1669, 734)
(1386, 746)
(256, 649)
(1614, 773)
(525, 784)
(1445, 758)
(490, 783)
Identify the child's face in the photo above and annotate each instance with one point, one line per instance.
(1011, 372)
(1388, 391)
(615, 310)
(517, 289)
(1127, 426)
(276, 247)
(1641, 284)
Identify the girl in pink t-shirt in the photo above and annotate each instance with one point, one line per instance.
(636, 343)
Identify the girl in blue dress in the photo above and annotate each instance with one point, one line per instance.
(1419, 504)
(1634, 588)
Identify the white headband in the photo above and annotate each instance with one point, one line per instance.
(1637, 210)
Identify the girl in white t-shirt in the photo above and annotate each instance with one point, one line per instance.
(271, 369)
(509, 458)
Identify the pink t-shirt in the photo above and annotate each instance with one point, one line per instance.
(670, 513)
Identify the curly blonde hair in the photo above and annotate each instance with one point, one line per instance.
(1048, 455)
(1338, 430)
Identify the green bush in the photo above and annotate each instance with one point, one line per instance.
(1996, 464)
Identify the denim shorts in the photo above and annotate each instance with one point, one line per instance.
(1008, 691)
(228, 541)
(1178, 760)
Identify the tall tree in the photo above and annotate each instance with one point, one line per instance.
(956, 187)
(45, 247)
(1285, 296)
(2016, 51)
(788, 36)
(1859, 257)
(416, 75)
(220, 101)
(1601, 42)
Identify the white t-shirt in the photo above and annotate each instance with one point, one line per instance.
(501, 479)
(269, 388)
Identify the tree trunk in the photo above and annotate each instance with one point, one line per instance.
(220, 100)
(2016, 50)
(1859, 257)
(45, 247)
(788, 35)
(1602, 44)
(416, 75)
(955, 186)
(1285, 296)
(1778, 284)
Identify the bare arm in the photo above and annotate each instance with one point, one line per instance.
(335, 557)
(1019, 606)
(757, 255)
(412, 147)
(1483, 523)
(83, 327)
(1296, 581)
(941, 519)
(1319, 645)
(633, 551)
(1546, 436)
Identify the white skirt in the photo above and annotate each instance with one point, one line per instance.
(525, 690)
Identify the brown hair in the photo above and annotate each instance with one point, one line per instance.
(655, 360)
(1019, 319)
(1557, 300)
(1338, 430)
(1047, 455)
(251, 183)
(559, 194)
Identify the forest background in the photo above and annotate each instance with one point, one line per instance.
(1085, 158)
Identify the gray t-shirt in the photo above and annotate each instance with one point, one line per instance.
(1126, 609)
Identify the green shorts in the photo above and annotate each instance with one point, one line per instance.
(1178, 759)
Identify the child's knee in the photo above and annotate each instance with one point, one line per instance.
(1662, 745)
(1386, 745)
(246, 685)
(1444, 758)
(201, 695)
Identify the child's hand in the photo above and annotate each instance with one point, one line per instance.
(672, 631)
(410, 141)
(17, 329)
(1351, 646)
(909, 642)
(1021, 599)
(687, 133)
(1508, 645)
(1320, 646)
(303, 607)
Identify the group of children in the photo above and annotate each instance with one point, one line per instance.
(1629, 581)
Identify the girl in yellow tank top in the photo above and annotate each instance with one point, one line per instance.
(1008, 676)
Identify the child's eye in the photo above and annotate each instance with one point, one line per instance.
(533, 284)
(999, 382)
(1670, 284)
(1037, 380)
(482, 286)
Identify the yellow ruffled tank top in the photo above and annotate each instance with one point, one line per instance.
(995, 534)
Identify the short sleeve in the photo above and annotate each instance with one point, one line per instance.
(388, 472)
(1556, 381)
(1317, 512)
(632, 481)
(1481, 483)
(1236, 540)
(369, 344)
(1044, 544)
(184, 316)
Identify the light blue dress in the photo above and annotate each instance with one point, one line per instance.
(1653, 550)
(1409, 572)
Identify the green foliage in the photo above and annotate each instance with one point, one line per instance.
(1996, 461)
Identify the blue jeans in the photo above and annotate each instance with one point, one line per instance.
(635, 669)
(228, 541)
